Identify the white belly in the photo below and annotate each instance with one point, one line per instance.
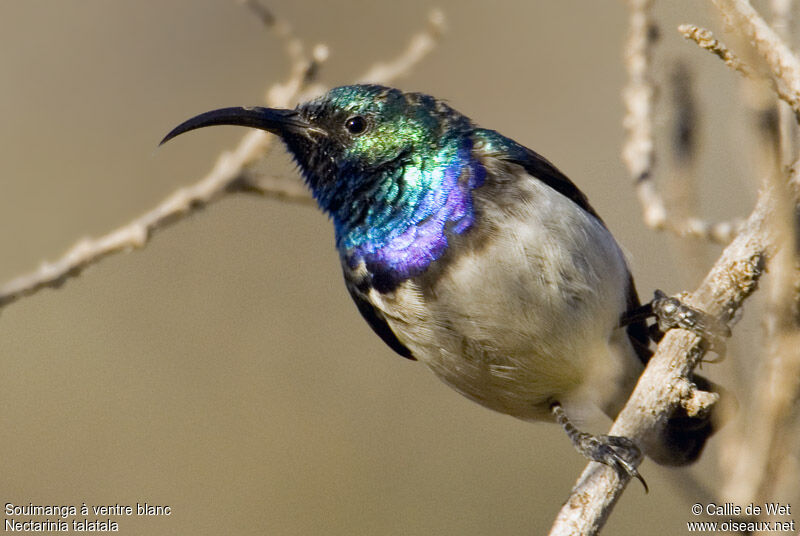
(526, 313)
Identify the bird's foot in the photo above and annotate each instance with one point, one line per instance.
(619, 453)
(672, 313)
(615, 451)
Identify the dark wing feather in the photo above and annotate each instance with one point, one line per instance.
(638, 333)
(541, 168)
(376, 321)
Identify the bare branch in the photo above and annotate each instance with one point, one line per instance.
(304, 68)
(232, 171)
(638, 152)
(782, 22)
(784, 65)
(663, 385)
(137, 233)
(758, 457)
(420, 46)
(705, 39)
(761, 452)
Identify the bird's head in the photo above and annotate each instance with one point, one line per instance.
(353, 143)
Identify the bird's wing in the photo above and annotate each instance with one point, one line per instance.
(491, 143)
(637, 331)
(494, 144)
(376, 320)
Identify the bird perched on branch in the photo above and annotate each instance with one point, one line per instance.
(476, 256)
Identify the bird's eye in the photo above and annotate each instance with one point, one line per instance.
(356, 124)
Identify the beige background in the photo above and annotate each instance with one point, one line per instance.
(223, 370)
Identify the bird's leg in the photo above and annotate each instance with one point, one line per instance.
(617, 452)
(672, 313)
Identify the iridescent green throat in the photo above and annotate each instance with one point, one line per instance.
(397, 191)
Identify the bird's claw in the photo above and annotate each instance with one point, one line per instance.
(614, 451)
(672, 313)
(619, 453)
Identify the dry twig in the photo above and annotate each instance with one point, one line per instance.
(705, 39)
(784, 67)
(232, 171)
(663, 384)
(757, 470)
(761, 452)
(733, 278)
(638, 151)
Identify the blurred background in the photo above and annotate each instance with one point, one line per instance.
(223, 370)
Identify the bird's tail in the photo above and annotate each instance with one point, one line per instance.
(682, 438)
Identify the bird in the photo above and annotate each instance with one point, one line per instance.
(478, 257)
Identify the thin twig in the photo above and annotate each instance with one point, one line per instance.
(782, 386)
(759, 104)
(638, 152)
(782, 22)
(420, 46)
(757, 470)
(137, 233)
(760, 452)
(663, 385)
(705, 39)
(783, 64)
(231, 173)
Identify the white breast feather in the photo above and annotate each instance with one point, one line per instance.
(527, 314)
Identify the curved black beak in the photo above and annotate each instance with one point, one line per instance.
(273, 120)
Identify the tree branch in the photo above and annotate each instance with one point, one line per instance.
(231, 173)
(638, 151)
(761, 453)
(663, 385)
(783, 64)
(705, 39)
